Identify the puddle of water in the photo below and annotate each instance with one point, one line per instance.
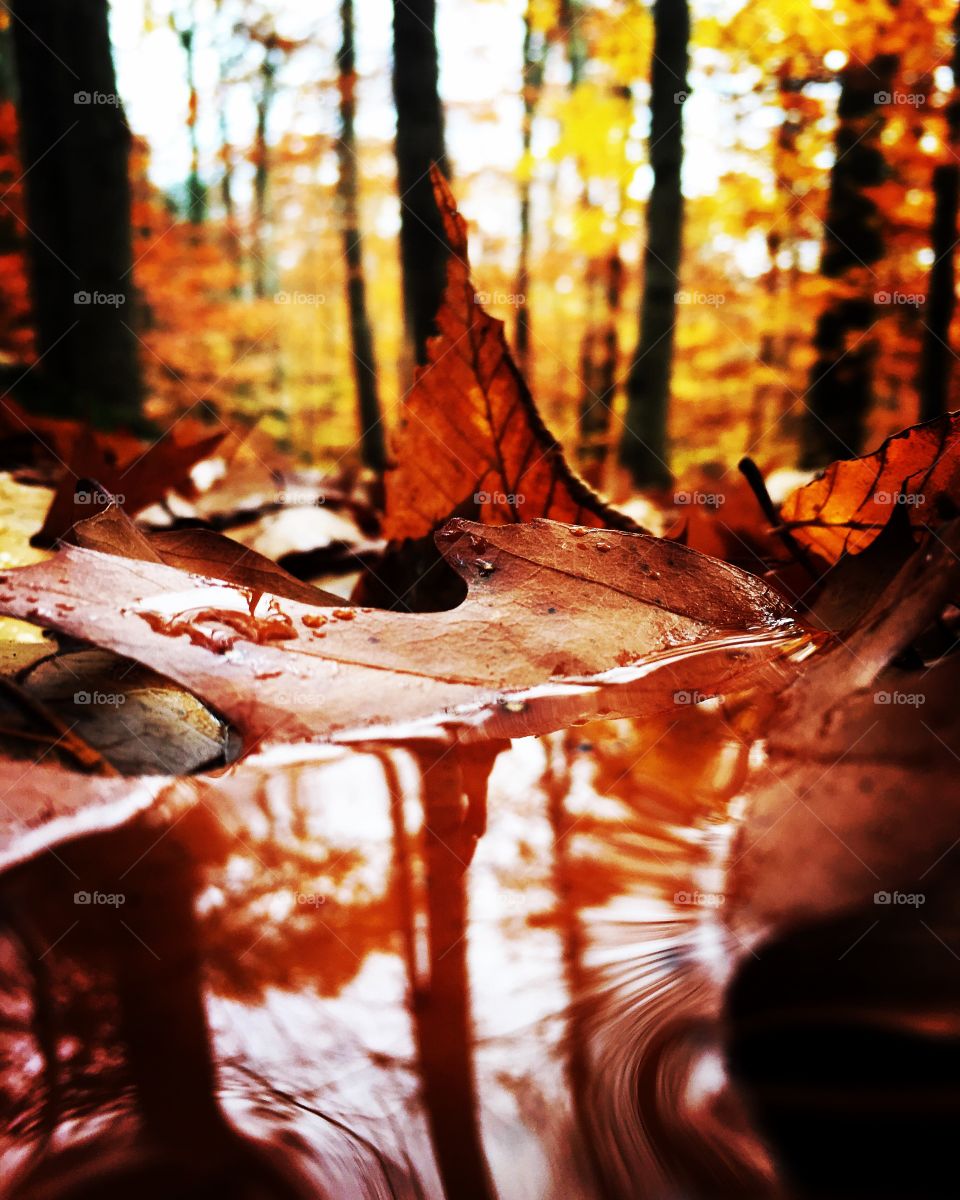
(342, 977)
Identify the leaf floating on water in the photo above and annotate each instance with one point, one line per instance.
(550, 621)
(856, 791)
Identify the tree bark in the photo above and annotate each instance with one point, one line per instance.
(373, 449)
(75, 149)
(261, 178)
(643, 446)
(841, 388)
(196, 189)
(936, 369)
(443, 1024)
(599, 370)
(419, 144)
(532, 83)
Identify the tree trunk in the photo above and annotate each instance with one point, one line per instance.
(419, 144)
(643, 446)
(532, 83)
(75, 148)
(443, 1024)
(196, 190)
(261, 176)
(599, 371)
(841, 387)
(936, 367)
(373, 449)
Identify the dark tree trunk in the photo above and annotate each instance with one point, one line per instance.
(361, 336)
(599, 371)
(936, 368)
(443, 1024)
(261, 178)
(841, 388)
(570, 19)
(532, 83)
(419, 144)
(643, 446)
(196, 190)
(75, 148)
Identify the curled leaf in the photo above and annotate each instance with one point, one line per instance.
(847, 507)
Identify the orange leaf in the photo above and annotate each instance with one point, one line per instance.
(471, 440)
(847, 507)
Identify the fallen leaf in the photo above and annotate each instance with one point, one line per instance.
(136, 473)
(471, 441)
(561, 623)
(202, 551)
(22, 511)
(848, 506)
(141, 723)
(855, 792)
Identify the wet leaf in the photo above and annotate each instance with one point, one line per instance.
(202, 551)
(855, 793)
(560, 624)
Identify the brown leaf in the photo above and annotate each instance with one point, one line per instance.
(201, 551)
(141, 723)
(470, 439)
(139, 472)
(856, 792)
(846, 508)
(560, 624)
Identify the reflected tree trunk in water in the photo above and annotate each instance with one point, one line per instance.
(127, 988)
(556, 782)
(442, 1018)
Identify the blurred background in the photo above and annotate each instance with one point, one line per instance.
(710, 230)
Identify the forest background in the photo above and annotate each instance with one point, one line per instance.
(711, 230)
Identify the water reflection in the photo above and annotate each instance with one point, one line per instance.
(366, 974)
